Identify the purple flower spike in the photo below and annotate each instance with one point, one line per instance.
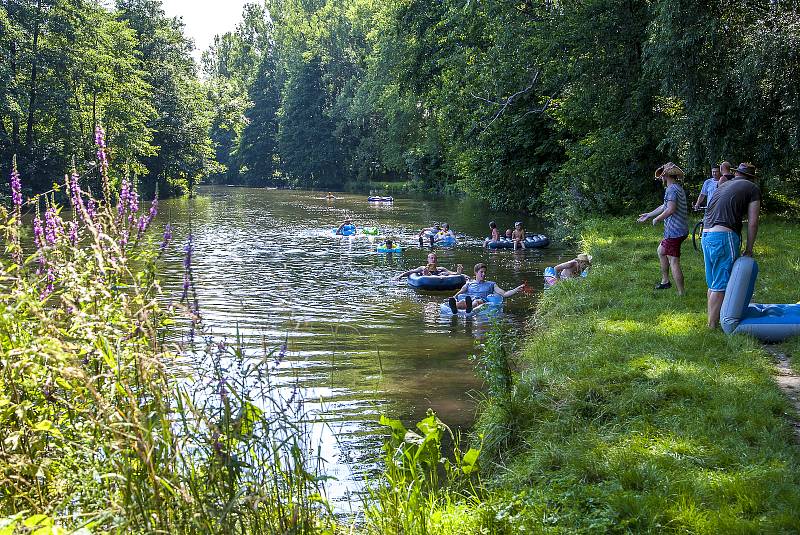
(167, 236)
(16, 185)
(53, 226)
(153, 209)
(38, 232)
(91, 209)
(223, 389)
(133, 202)
(74, 189)
(124, 195)
(73, 232)
(187, 251)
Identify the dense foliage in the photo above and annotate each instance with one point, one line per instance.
(561, 107)
(68, 65)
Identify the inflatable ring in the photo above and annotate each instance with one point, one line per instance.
(371, 231)
(436, 283)
(494, 305)
(395, 249)
(380, 199)
(347, 230)
(535, 241)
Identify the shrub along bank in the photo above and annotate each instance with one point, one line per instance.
(628, 414)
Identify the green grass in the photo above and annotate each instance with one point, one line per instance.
(628, 414)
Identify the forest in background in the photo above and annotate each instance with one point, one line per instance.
(558, 108)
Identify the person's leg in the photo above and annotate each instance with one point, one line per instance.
(715, 299)
(677, 274)
(468, 303)
(453, 305)
(664, 264)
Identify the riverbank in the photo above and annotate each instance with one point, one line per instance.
(628, 414)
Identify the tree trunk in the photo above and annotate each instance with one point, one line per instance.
(34, 70)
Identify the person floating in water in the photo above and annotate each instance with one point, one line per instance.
(346, 228)
(430, 233)
(475, 292)
(494, 237)
(330, 196)
(431, 268)
(518, 236)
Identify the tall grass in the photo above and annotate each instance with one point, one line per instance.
(104, 427)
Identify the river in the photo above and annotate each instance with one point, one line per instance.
(358, 344)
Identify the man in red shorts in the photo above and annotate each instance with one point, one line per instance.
(676, 225)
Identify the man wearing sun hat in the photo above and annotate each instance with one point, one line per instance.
(676, 225)
(722, 234)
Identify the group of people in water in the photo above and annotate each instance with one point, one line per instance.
(516, 236)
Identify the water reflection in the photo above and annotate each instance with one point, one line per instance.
(269, 269)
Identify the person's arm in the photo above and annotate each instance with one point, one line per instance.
(564, 265)
(499, 291)
(752, 226)
(701, 200)
(463, 290)
(672, 206)
(409, 272)
(644, 217)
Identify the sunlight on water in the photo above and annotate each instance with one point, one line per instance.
(268, 267)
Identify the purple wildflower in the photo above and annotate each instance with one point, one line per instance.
(222, 388)
(167, 236)
(91, 209)
(50, 279)
(73, 232)
(153, 209)
(16, 185)
(281, 355)
(133, 203)
(124, 195)
(53, 226)
(187, 251)
(38, 231)
(74, 189)
(123, 237)
(216, 444)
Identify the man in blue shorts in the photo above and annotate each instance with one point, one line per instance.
(676, 225)
(722, 234)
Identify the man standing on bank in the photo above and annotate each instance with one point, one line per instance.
(676, 225)
(722, 234)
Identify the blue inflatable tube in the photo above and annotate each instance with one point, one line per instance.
(768, 323)
(493, 306)
(380, 199)
(347, 230)
(447, 241)
(535, 241)
(383, 249)
(435, 283)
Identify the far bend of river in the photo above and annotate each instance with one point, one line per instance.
(359, 344)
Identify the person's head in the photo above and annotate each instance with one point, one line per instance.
(670, 172)
(431, 258)
(715, 172)
(746, 170)
(725, 168)
(492, 225)
(446, 226)
(436, 226)
(480, 271)
(518, 225)
(584, 261)
(348, 221)
(508, 232)
(388, 243)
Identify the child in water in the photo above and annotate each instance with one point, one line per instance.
(495, 234)
(518, 236)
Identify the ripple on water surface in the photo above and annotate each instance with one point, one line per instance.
(268, 268)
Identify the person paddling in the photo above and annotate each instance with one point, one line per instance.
(431, 268)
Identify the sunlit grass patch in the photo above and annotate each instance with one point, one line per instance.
(634, 416)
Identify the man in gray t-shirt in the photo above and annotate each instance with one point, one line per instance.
(722, 228)
(676, 225)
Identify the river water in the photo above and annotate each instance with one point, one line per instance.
(267, 265)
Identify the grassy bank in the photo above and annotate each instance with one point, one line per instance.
(628, 414)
